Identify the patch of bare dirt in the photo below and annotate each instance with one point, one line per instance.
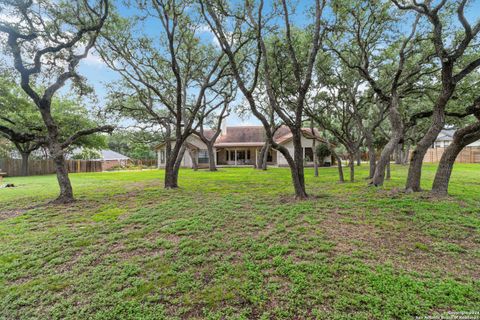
(406, 249)
(6, 214)
(11, 213)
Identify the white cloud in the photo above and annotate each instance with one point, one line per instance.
(8, 18)
(93, 59)
(204, 28)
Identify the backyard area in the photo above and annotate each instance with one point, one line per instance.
(234, 244)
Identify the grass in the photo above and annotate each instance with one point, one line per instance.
(234, 245)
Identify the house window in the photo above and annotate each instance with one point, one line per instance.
(241, 155)
(203, 156)
(162, 156)
(308, 154)
(270, 156)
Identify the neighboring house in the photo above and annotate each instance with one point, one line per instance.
(241, 145)
(445, 137)
(112, 159)
(470, 154)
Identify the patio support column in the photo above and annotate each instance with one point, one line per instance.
(235, 157)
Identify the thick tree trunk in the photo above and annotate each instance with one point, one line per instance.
(359, 158)
(171, 177)
(56, 152)
(444, 170)
(173, 166)
(296, 168)
(298, 182)
(66, 191)
(396, 137)
(211, 157)
(24, 169)
(415, 169)
(461, 139)
(379, 176)
(262, 157)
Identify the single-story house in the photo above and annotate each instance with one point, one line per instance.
(112, 159)
(241, 145)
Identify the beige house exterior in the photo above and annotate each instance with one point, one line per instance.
(241, 145)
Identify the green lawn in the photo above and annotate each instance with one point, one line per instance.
(234, 245)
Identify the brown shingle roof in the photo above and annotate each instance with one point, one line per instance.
(208, 133)
(242, 134)
(255, 135)
(252, 136)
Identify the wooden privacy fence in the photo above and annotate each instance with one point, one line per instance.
(13, 167)
(467, 155)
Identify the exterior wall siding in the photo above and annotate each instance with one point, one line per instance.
(187, 160)
(221, 154)
(306, 143)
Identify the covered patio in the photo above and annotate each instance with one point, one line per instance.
(242, 155)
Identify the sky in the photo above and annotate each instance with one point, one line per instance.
(98, 74)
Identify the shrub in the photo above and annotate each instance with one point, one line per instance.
(322, 151)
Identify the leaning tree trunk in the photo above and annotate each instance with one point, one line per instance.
(66, 191)
(397, 135)
(461, 139)
(211, 157)
(24, 170)
(384, 161)
(415, 169)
